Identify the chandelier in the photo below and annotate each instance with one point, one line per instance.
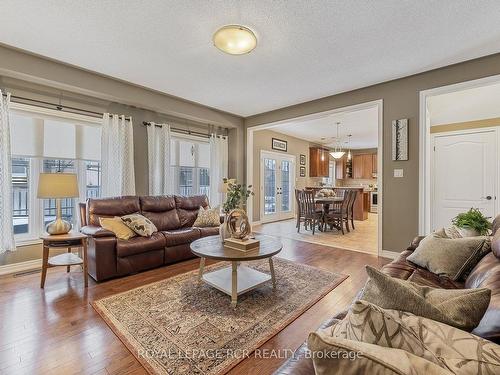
(337, 152)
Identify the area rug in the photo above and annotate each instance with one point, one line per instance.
(181, 326)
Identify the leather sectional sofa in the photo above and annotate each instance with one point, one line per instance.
(486, 274)
(174, 216)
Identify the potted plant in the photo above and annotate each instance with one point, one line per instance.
(472, 223)
(236, 197)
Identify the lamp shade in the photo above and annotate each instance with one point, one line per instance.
(57, 185)
(225, 185)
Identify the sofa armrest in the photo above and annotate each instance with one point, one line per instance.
(415, 242)
(95, 231)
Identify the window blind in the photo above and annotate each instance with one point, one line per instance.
(34, 135)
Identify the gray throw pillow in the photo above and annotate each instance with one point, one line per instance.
(460, 308)
(451, 257)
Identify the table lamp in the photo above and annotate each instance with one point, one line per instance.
(58, 186)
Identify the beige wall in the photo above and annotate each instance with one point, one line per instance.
(401, 100)
(262, 141)
(34, 77)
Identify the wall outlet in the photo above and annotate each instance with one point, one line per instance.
(398, 173)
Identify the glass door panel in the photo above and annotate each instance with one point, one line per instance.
(285, 190)
(270, 196)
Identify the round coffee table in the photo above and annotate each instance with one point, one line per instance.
(237, 279)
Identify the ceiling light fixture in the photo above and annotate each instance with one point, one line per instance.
(349, 155)
(235, 39)
(337, 152)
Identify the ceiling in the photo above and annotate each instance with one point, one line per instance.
(361, 124)
(306, 48)
(467, 105)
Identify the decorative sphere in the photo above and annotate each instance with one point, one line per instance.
(238, 224)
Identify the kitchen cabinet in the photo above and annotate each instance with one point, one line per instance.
(319, 162)
(363, 166)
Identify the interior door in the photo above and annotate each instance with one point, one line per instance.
(464, 175)
(277, 186)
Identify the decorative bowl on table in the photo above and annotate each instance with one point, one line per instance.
(325, 193)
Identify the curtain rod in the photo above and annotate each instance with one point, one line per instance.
(60, 107)
(179, 130)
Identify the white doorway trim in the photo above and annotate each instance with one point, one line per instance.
(380, 154)
(424, 181)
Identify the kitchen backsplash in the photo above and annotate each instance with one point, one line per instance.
(354, 182)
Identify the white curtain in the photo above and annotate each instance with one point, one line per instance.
(160, 181)
(117, 156)
(218, 167)
(6, 227)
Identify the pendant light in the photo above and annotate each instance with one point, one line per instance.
(337, 152)
(349, 155)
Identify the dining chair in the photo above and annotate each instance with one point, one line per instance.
(299, 208)
(350, 208)
(340, 213)
(309, 214)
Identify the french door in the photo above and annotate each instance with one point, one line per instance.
(277, 185)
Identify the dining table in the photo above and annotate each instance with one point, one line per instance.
(326, 202)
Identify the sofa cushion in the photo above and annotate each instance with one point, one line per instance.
(335, 355)
(138, 245)
(452, 257)
(116, 225)
(110, 207)
(181, 236)
(446, 346)
(161, 210)
(207, 217)
(461, 308)
(187, 208)
(209, 231)
(139, 224)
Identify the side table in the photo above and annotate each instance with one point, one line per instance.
(69, 241)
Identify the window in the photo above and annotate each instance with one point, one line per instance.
(190, 160)
(49, 144)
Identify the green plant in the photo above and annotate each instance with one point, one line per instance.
(237, 195)
(473, 219)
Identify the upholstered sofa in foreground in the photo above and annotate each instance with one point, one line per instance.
(174, 216)
(486, 274)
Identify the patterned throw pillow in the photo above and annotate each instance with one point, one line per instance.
(139, 224)
(116, 225)
(209, 217)
(458, 351)
(335, 355)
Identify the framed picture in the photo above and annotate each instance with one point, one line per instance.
(302, 159)
(302, 171)
(400, 139)
(279, 144)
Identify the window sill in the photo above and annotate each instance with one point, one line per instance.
(22, 243)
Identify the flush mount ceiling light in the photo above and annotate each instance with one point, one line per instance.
(235, 39)
(337, 153)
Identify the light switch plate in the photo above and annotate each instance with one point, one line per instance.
(398, 173)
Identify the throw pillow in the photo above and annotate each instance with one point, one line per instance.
(461, 308)
(139, 224)
(451, 257)
(335, 355)
(461, 352)
(116, 225)
(209, 217)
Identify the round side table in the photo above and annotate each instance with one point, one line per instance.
(68, 241)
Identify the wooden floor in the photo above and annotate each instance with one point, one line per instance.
(364, 238)
(56, 330)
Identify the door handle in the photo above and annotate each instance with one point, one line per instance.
(488, 197)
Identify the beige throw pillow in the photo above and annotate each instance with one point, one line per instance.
(461, 352)
(139, 224)
(116, 225)
(209, 217)
(461, 308)
(335, 355)
(451, 257)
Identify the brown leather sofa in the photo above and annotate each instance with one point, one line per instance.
(174, 216)
(486, 274)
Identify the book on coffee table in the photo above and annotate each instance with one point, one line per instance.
(241, 245)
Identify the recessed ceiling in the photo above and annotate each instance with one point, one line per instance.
(361, 124)
(306, 49)
(477, 103)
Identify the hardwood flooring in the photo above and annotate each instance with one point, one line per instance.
(56, 331)
(363, 238)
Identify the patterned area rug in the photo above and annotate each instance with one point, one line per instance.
(180, 326)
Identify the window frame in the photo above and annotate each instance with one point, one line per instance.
(175, 136)
(35, 205)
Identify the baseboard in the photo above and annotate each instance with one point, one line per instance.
(389, 254)
(20, 267)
